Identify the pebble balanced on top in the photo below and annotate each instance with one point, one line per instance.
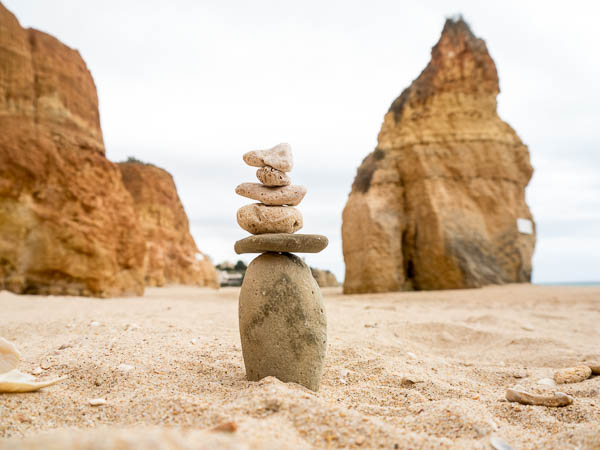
(282, 319)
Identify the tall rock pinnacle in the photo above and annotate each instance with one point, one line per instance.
(440, 203)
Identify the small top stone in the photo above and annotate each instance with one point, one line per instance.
(278, 157)
(281, 242)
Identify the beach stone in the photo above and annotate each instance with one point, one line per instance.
(281, 242)
(278, 157)
(283, 328)
(527, 398)
(273, 196)
(572, 374)
(272, 177)
(259, 219)
(595, 367)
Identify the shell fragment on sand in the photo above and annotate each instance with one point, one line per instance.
(259, 219)
(9, 356)
(278, 157)
(272, 177)
(281, 242)
(572, 374)
(13, 380)
(272, 196)
(17, 381)
(526, 398)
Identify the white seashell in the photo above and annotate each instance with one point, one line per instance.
(17, 381)
(499, 443)
(97, 401)
(9, 356)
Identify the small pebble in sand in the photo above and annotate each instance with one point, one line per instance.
(45, 365)
(94, 324)
(526, 398)
(572, 374)
(547, 382)
(227, 427)
(131, 326)
(193, 341)
(595, 367)
(97, 402)
(499, 443)
(411, 355)
(64, 346)
(37, 371)
(125, 367)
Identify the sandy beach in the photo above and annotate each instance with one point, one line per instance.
(403, 370)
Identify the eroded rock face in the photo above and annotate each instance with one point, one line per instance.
(324, 278)
(67, 224)
(172, 256)
(435, 205)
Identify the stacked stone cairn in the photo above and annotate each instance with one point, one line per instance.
(283, 328)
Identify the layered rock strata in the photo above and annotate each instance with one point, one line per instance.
(283, 328)
(67, 223)
(172, 256)
(440, 203)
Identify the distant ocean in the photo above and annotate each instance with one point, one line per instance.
(572, 283)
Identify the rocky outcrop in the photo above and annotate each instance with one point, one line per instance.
(172, 256)
(67, 224)
(324, 278)
(437, 204)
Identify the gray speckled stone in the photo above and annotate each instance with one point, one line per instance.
(281, 242)
(282, 321)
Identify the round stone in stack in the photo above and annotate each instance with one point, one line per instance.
(281, 242)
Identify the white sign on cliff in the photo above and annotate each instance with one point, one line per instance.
(525, 226)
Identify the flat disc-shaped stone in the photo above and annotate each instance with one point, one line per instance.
(281, 242)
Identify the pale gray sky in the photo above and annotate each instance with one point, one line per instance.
(192, 85)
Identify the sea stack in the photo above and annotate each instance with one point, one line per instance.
(283, 328)
(440, 202)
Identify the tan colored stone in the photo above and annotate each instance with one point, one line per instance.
(282, 320)
(278, 157)
(435, 205)
(281, 242)
(572, 374)
(273, 196)
(595, 367)
(272, 177)
(527, 398)
(259, 219)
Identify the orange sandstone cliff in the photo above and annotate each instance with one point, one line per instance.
(172, 256)
(67, 223)
(440, 203)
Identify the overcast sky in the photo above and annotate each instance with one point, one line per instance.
(192, 85)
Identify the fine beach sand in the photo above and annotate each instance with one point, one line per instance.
(403, 370)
